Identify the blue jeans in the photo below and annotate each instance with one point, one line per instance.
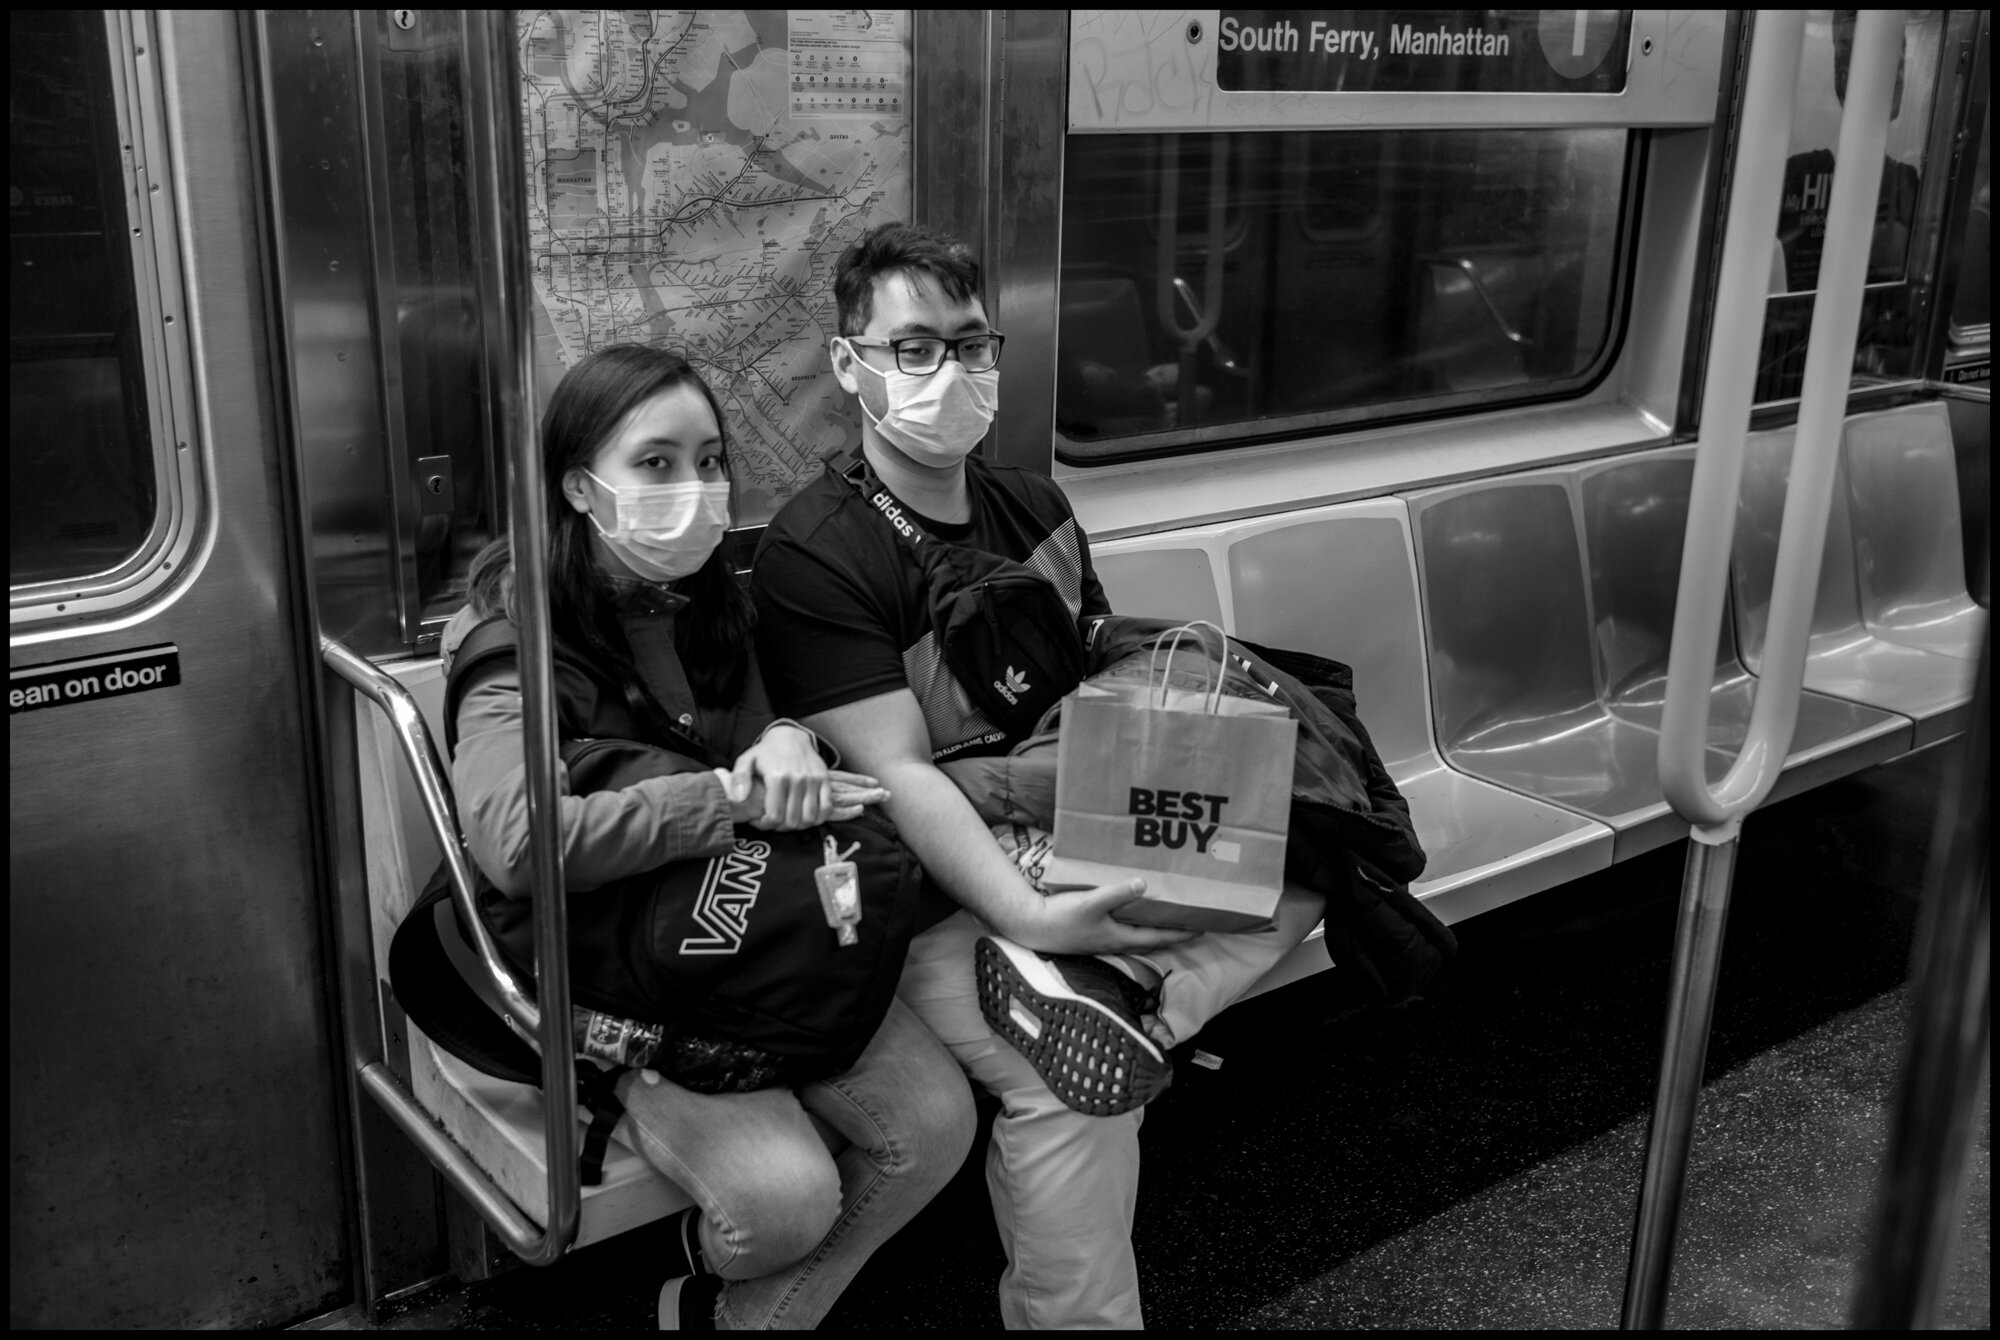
(785, 1220)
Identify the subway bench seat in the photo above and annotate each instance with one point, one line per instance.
(1340, 582)
(1555, 684)
(1893, 627)
(1635, 513)
(497, 1122)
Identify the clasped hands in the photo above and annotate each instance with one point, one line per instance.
(781, 783)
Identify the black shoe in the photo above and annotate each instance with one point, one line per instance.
(1079, 1021)
(687, 1303)
(684, 1256)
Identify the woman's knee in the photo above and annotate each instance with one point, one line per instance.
(774, 1216)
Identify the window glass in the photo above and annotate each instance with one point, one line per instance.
(434, 325)
(1887, 345)
(81, 479)
(1972, 304)
(1226, 287)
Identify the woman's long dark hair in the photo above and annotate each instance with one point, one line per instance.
(712, 634)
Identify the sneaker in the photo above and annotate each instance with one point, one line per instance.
(687, 1303)
(1079, 1021)
(684, 1255)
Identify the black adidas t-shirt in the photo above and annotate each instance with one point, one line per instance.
(842, 613)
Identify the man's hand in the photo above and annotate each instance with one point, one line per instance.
(1084, 923)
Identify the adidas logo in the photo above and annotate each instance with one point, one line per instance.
(1012, 686)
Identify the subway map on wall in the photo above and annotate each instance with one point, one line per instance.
(694, 176)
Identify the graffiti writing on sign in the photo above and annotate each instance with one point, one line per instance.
(61, 683)
(1168, 817)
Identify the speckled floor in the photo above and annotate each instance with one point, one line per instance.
(1472, 1161)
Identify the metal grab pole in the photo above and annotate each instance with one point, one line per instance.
(1683, 1052)
(1922, 1192)
(493, 46)
(1717, 812)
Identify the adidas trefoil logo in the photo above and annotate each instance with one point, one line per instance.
(1012, 686)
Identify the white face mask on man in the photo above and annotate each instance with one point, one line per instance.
(665, 531)
(936, 419)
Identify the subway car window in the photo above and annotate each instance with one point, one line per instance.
(82, 480)
(432, 315)
(1221, 288)
(1887, 347)
(1972, 304)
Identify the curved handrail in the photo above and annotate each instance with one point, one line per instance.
(420, 754)
(1717, 810)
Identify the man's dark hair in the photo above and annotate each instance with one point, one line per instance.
(900, 248)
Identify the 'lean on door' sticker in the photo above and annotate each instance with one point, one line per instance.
(60, 683)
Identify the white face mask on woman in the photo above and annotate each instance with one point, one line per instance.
(666, 531)
(936, 419)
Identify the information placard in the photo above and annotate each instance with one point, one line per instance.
(61, 683)
(1423, 50)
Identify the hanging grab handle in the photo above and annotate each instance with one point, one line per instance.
(1718, 471)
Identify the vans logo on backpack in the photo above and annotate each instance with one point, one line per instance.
(727, 894)
(1011, 687)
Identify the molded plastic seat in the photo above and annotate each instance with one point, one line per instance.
(1513, 681)
(1635, 517)
(1845, 658)
(1909, 550)
(1176, 580)
(498, 1123)
(1340, 582)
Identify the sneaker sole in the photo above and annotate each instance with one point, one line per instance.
(1091, 1059)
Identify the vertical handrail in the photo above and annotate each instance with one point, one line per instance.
(496, 163)
(493, 44)
(1716, 811)
(1922, 1192)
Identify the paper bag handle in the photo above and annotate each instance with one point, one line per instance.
(1211, 695)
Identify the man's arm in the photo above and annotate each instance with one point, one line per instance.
(885, 737)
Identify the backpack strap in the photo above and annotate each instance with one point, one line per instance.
(497, 639)
(597, 1092)
(493, 639)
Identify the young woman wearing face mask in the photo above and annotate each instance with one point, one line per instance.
(793, 1188)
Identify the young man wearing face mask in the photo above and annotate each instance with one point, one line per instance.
(847, 643)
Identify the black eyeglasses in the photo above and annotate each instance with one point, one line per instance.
(922, 355)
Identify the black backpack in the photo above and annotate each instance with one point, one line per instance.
(727, 966)
(1007, 637)
(732, 955)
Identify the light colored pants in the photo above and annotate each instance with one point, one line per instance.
(1064, 1184)
(783, 1219)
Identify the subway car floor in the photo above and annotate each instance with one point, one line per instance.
(1472, 1161)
